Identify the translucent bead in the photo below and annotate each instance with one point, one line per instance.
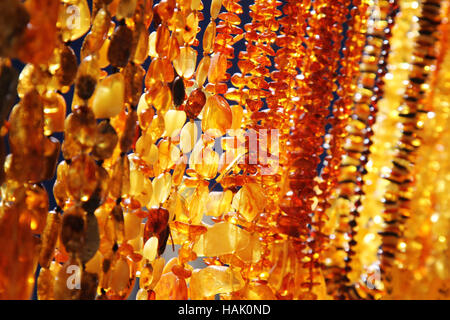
(150, 249)
(161, 188)
(174, 121)
(80, 126)
(142, 48)
(115, 226)
(74, 19)
(68, 66)
(120, 47)
(162, 41)
(212, 280)
(109, 97)
(152, 45)
(49, 238)
(45, 284)
(39, 39)
(132, 225)
(94, 265)
(73, 229)
(145, 113)
(258, 291)
(217, 68)
(68, 281)
(54, 112)
(195, 103)
(168, 154)
(120, 276)
(188, 137)
(158, 266)
(129, 132)
(141, 187)
(204, 160)
(126, 9)
(185, 63)
(133, 76)
(251, 201)
(209, 37)
(216, 5)
(197, 204)
(99, 32)
(105, 142)
(191, 27)
(171, 287)
(92, 238)
(89, 284)
(146, 150)
(218, 203)
(217, 116)
(159, 96)
(82, 177)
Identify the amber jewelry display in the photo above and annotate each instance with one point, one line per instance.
(224, 149)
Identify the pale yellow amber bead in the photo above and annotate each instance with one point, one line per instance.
(212, 280)
(188, 137)
(132, 225)
(219, 202)
(216, 5)
(185, 63)
(109, 96)
(150, 250)
(173, 122)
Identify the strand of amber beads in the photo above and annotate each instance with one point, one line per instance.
(397, 196)
(359, 129)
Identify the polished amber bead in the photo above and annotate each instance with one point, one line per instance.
(120, 47)
(195, 103)
(217, 116)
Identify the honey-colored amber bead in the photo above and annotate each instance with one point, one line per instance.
(174, 121)
(162, 41)
(132, 224)
(94, 265)
(115, 225)
(49, 238)
(121, 280)
(73, 229)
(54, 112)
(133, 76)
(142, 48)
(40, 36)
(119, 183)
(218, 203)
(109, 97)
(82, 177)
(188, 137)
(212, 280)
(195, 103)
(92, 238)
(184, 64)
(120, 47)
(74, 19)
(13, 27)
(106, 141)
(80, 126)
(204, 160)
(202, 70)
(250, 201)
(217, 68)
(159, 96)
(208, 37)
(126, 9)
(171, 287)
(191, 28)
(45, 284)
(216, 5)
(217, 116)
(150, 250)
(68, 66)
(89, 283)
(128, 136)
